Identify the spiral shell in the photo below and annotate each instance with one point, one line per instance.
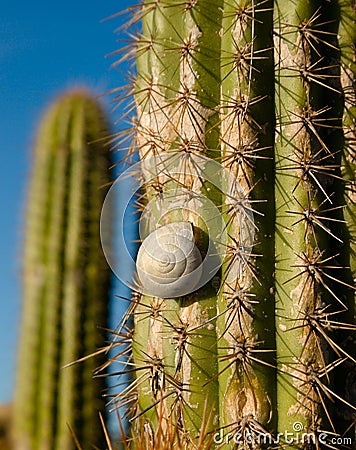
(169, 263)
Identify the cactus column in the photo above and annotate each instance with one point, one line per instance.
(246, 304)
(187, 369)
(176, 112)
(311, 276)
(65, 279)
(256, 87)
(347, 42)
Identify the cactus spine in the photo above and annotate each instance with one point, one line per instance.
(65, 279)
(256, 86)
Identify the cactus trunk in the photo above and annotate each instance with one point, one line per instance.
(65, 280)
(300, 245)
(347, 42)
(265, 92)
(245, 302)
(175, 114)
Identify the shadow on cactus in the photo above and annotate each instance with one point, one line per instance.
(66, 279)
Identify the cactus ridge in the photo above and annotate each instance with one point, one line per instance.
(267, 90)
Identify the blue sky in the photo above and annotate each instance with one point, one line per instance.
(45, 47)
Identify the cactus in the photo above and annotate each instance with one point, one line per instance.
(65, 279)
(245, 110)
(347, 43)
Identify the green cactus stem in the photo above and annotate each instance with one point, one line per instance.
(347, 43)
(309, 280)
(245, 323)
(300, 245)
(176, 113)
(257, 351)
(65, 279)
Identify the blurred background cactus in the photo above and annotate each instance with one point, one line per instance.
(66, 279)
(266, 90)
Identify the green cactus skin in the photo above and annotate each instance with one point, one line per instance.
(255, 86)
(309, 277)
(246, 304)
(178, 356)
(299, 246)
(347, 43)
(65, 279)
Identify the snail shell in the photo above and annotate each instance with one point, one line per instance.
(169, 263)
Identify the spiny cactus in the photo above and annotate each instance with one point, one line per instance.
(65, 279)
(245, 111)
